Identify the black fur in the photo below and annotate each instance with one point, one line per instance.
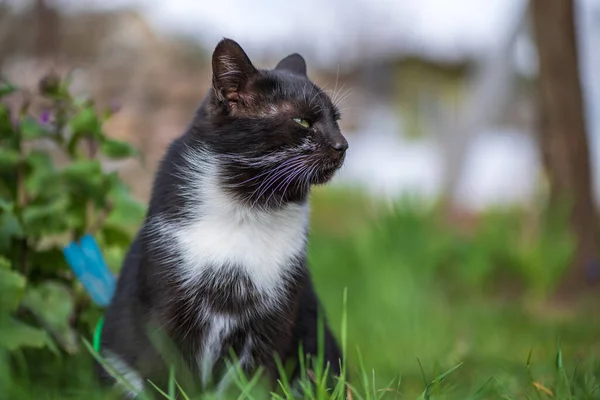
(246, 122)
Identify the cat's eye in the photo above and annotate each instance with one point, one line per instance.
(300, 121)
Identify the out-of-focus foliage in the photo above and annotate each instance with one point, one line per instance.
(53, 189)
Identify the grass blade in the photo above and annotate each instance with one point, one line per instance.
(363, 373)
(160, 391)
(185, 396)
(561, 374)
(530, 374)
(425, 394)
(171, 388)
(246, 391)
(283, 379)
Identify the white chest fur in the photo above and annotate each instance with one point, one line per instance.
(225, 233)
(218, 328)
(261, 243)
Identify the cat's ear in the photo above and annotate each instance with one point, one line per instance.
(232, 69)
(294, 63)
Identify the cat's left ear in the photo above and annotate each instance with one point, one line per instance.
(232, 69)
(294, 63)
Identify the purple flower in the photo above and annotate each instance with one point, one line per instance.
(45, 117)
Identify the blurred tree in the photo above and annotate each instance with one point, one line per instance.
(563, 139)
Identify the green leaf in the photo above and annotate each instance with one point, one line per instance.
(15, 334)
(86, 181)
(32, 129)
(46, 217)
(73, 143)
(117, 149)
(6, 89)
(39, 159)
(49, 262)
(6, 125)
(76, 217)
(52, 304)
(82, 171)
(6, 369)
(86, 120)
(114, 256)
(9, 159)
(116, 236)
(6, 205)
(12, 285)
(42, 178)
(7, 191)
(10, 228)
(84, 123)
(126, 212)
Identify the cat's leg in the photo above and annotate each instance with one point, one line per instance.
(307, 335)
(332, 354)
(124, 345)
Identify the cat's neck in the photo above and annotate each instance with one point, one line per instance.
(216, 203)
(210, 187)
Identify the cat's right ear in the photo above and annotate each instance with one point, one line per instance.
(294, 63)
(232, 69)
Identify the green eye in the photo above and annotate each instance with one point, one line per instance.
(302, 122)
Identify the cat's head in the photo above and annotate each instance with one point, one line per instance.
(275, 131)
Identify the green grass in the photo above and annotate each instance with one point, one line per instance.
(423, 293)
(425, 301)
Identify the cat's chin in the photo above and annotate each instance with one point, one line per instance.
(324, 175)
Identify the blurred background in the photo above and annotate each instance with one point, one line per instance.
(463, 224)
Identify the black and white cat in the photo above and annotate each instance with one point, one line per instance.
(220, 261)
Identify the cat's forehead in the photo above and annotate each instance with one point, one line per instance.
(283, 86)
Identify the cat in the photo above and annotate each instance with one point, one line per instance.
(220, 261)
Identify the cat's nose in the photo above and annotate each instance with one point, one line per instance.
(340, 144)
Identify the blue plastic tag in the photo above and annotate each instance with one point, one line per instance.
(86, 261)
